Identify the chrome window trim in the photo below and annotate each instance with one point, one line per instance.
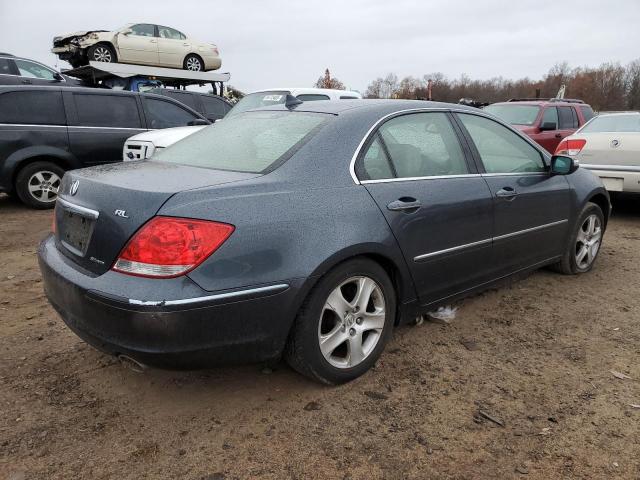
(78, 208)
(411, 179)
(48, 125)
(219, 296)
(516, 174)
(612, 168)
(109, 128)
(487, 240)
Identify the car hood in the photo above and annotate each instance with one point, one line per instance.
(167, 136)
(81, 33)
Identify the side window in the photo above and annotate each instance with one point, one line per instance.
(163, 114)
(6, 68)
(347, 97)
(375, 163)
(188, 99)
(107, 110)
(33, 70)
(143, 30)
(34, 107)
(310, 97)
(550, 115)
(587, 113)
(423, 145)
(566, 117)
(170, 33)
(214, 108)
(501, 150)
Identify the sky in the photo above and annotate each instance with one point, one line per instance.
(278, 43)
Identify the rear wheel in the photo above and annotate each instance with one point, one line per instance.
(101, 53)
(194, 63)
(344, 323)
(584, 243)
(38, 183)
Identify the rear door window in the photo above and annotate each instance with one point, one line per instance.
(566, 118)
(7, 67)
(310, 97)
(32, 107)
(166, 114)
(500, 149)
(98, 110)
(188, 99)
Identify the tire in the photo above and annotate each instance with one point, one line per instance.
(193, 63)
(584, 243)
(101, 52)
(37, 184)
(343, 333)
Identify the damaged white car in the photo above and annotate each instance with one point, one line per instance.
(139, 43)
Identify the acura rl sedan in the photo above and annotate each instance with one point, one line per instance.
(310, 230)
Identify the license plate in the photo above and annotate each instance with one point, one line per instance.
(75, 231)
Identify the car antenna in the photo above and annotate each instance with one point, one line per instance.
(291, 102)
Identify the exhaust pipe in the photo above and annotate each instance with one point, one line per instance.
(131, 363)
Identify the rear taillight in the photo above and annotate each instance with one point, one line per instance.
(168, 247)
(570, 146)
(216, 51)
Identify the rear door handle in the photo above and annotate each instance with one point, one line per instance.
(404, 204)
(507, 193)
(558, 135)
(28, 82)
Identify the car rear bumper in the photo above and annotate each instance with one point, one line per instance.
(212, 328)
(617, 178)
(212, 63)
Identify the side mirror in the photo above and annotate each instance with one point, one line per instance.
(548, 126)
(563, 165)
(58, 76)
(198, 121)
(127, 31)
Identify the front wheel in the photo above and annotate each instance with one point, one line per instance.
(194, 63)
(584, 243)
(101, 53)
(38, 183)
(344, 323)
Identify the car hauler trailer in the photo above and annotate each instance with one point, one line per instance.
(140, 77)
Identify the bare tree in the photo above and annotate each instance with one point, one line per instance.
(327, 81)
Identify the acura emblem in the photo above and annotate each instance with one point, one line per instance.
(73, 189)
(615, 143)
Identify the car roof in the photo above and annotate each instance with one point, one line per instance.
(307, 90)
(542, 103)
(382, 106)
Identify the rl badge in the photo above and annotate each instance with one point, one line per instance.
(121, 213)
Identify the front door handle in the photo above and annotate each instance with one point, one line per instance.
(507, 193)
(25, 81)
(558, 135)
(404, 204)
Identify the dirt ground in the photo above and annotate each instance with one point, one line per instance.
(536, 357)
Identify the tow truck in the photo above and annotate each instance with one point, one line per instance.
(140, 78)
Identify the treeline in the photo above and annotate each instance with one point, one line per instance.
(607, 87)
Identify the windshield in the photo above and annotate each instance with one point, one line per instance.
(257, 100)
(613, 123)
(515, 114)
(255, 142)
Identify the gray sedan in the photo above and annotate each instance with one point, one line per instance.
(310, 230)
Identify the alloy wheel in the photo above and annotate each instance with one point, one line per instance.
(588, 241)
(193, 64)
(102, 54)
(44, 185)
(351, 322)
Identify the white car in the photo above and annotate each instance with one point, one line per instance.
(275, 96)
(140, 44)
(143, 145)
(609, 145)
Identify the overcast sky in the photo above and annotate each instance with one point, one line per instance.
(279, 43)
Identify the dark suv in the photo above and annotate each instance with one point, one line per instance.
(547, 121)
(47, 130)
(211, 106)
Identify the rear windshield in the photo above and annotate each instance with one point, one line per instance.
(515, 114)
(257, 100)
(613, 123)
(255, 142)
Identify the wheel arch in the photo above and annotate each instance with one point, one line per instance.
(20, 159)
(195, 54)
(391, 262)
(602, 201)
(109, 44)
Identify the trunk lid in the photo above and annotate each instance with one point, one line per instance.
(100, 208)
(616, 148)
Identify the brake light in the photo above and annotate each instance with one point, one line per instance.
(168, 247)
(570, 146)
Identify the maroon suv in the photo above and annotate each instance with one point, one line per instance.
(547, 121)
